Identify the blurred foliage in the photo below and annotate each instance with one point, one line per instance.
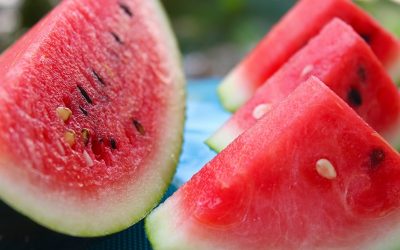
(201, 24)
(32, 11)
(387, 12)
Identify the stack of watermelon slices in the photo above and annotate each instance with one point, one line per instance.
(309, 171)
(286, 38)
(339, 57)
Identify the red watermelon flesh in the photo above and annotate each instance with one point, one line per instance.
(300, 24)
(91, 110)
(340, 58)
(311, 174)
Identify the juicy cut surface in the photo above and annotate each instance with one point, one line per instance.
(341, 59)
(309, 175)
(291, 33)
(99, 70)
(91, 99)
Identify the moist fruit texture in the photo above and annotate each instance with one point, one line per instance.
(300, 24)
(91, 110)
(340, 58)
(311, 174)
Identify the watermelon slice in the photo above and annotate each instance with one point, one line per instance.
(310, 175)
(340, 58)
(92, 111)
(303, 22)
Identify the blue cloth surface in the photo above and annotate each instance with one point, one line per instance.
(204, 116)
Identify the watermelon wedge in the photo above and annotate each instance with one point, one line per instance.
(311, 174)
(300, 24)
(92, 111)
(341, 59)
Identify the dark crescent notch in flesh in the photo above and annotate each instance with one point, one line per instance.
(377, 156)
(126, 9)
(85, 94)
(98, 77)
(354, 97)
(117, 38)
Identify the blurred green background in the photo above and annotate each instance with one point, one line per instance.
(213, 34)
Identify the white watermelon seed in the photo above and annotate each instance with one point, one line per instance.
(64, 113)
(307, 70)
(260, 110)
(69, 137)
(326, 169)
(87, 158)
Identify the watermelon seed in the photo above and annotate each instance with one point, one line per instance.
(98, 78)
(354, 97)
(326, 169)
(69, 137)
(87, 158)
(117, 38)
(85, 94)
(85, 136)
(260, 110)
(366, 38)
(139, 127)
(362, 74)
(64, 113)
(126, 9)
(113, 143)
(307, 70)
(377, 156)
(84, 111)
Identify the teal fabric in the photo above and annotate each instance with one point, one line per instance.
(204, 115)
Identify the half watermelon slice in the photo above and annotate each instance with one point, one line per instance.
(300, 24)
(311, 174)
(92, 111)
(339, 57)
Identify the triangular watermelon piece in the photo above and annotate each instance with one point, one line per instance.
(92, 111)
(311, 174)
(300, 24)
(341, 59)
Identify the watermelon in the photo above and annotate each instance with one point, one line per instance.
(299, 25)
(311, 174)
(92, 111)
(340, 58)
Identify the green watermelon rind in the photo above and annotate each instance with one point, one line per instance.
(19, 199)
(230, 94)
(221, 139)
(154, 222)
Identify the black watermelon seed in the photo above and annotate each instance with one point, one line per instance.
(126, 9)
(362, 74)
(377, 156)
(354, 97)
(366, 38)
(85, 94)
(84, 111)
(139, 127)
(113, 143)
(117, 38)
(98, 78)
